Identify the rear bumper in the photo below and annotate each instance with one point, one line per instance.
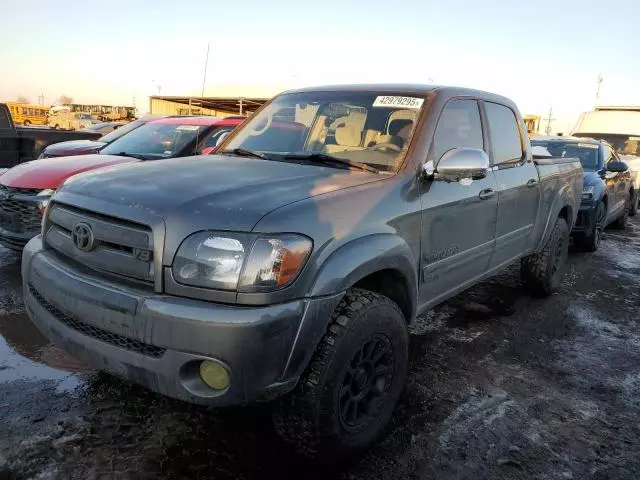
(159, 341)
(586, 220)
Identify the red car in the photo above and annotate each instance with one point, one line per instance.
(84, 147)
(26, 189)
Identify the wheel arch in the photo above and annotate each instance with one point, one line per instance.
(368, 263)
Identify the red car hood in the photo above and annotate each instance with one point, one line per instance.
(51, 172)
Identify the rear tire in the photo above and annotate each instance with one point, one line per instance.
(635, 199)
(541, 272)
(621, 222)
(348, 393)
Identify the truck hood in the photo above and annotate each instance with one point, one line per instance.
(51, 172)
(210, 191)
(73, 147)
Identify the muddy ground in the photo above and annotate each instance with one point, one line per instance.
(502, 386)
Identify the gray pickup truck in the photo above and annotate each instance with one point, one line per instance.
(288, 265)
(21, 144)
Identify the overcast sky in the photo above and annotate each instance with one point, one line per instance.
(541, 53)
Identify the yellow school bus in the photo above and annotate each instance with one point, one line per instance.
(26, 114)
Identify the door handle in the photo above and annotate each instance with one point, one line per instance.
(532, 183)
(486, 194)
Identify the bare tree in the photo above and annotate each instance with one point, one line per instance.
(22, 99)
(65, 100)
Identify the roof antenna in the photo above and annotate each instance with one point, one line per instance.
(204, 79)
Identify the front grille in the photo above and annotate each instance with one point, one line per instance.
(96, 332)
(119, 247)
(26, 210)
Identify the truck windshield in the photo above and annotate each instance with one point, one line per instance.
(155, 140)
(370, 128)
(586, 152)
(623, 144)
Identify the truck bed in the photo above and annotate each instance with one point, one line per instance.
(560, 178)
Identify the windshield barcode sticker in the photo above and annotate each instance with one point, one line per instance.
(588, 145)
(398, 102)
(188, 128)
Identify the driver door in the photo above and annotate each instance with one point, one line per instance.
(617, 184)
(458, 218)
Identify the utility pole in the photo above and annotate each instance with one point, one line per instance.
(599, 81)
(41, 99)
(550, 119)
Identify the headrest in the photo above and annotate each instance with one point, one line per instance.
(396, 125)
(348, 135)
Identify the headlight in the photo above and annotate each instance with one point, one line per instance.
(587, 192)
(47, 193)
(242, 262)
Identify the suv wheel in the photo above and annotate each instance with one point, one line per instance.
(348, 393)
(542, 271)
(621, 221)
(635, 200)
(590, 243)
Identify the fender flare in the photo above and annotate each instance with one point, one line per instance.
(342, 269)
(364, 256)
(562, 199)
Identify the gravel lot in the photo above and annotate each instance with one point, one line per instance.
(502, 386)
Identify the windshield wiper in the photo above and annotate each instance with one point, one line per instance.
(131, 155)
(243, 152)
(331, 160)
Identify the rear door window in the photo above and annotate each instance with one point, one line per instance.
(506, 138)
(459, 126)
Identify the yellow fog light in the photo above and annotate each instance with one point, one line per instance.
(214, 375)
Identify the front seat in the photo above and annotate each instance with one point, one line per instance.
(348, 137)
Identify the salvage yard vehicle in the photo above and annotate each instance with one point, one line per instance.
(608, 187)
(26, 189)
(84, 147)
(66, 120)
(289, 264)
(19, 144)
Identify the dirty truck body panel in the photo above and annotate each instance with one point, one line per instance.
(118, 302)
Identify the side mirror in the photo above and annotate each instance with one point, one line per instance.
(618, 167)
(459, 163)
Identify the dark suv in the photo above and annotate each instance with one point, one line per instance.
(608, 186)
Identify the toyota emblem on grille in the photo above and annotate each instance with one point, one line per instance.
(83, 237)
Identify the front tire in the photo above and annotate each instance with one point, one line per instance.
(591, 243)
(348, 393)
(27, 123)
(541, 272)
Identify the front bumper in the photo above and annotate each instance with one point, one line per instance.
(15, 240)
(586, 220)
(158, 341)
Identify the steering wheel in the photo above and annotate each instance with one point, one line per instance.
(386, 146)
(267, 124)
